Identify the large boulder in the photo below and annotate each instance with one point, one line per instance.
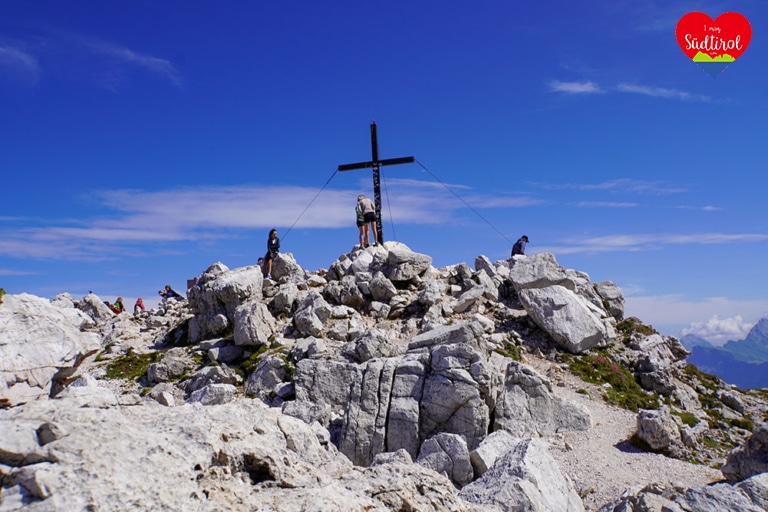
(254, 324)
(527, 406)
(216, 297)
(567, 318)
(613, 296)
(447, 454)
(750, 459)
(311, 314)
(94, 307)
(173, 364)
(748, 496)
(285, 264)
(404, 264)
(657, 428)
(41, 346)
(525, 478)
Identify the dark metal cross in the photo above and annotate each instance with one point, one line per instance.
(376, 164)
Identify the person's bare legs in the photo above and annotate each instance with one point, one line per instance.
(362, 231)
(375, 234)
(365, 234)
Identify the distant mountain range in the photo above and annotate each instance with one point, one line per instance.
(743, 362)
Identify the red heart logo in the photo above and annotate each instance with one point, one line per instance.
(713, 44)
(729, 34)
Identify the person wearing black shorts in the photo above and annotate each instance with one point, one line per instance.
(273, 247)
(366, 206)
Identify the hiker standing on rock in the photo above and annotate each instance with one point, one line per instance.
(368, 210)
(273, 248)
(519, 247)
(360, 221)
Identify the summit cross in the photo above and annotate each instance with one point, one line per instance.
(376, 164)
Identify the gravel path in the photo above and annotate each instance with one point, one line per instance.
(600, 461)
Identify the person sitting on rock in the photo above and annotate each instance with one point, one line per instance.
(118, 305)
(138, 308)
(169, 293)
(519, 247)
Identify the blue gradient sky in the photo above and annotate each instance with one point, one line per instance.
(144, 140)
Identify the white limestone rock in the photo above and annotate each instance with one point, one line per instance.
(565, 317)
(447, 454)
(490, 449)
(525, 478)
(254, 324)
(527, 406)
(219, 293)
(751, 458)
(657, 428)
(41, 345)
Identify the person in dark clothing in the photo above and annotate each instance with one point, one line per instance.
(169, 293)
(273, 248)
(519, 247)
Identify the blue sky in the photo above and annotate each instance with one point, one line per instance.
(144, 140)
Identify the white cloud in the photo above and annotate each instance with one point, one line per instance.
(642, 242)
(18, 64)
(574, 87)
(673, 314)
(197, 215)
(707, 208)
(620, 185)
(604, 204)
(718, 330)
(11, 272)
(156, 65)
(660, 92)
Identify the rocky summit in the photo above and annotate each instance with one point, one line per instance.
(380, 383)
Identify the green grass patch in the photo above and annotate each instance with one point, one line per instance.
(131, 366)
(687, 418)
(624, 391)
(709, 443)
(633, 324)
(707, 380)
(289, 369)
(511, 351)
(250, 364)
(744, 423)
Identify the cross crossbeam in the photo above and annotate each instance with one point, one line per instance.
(376, 165)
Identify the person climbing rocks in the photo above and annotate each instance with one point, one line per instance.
(519, 247)
(368, 209)
(273, 248)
